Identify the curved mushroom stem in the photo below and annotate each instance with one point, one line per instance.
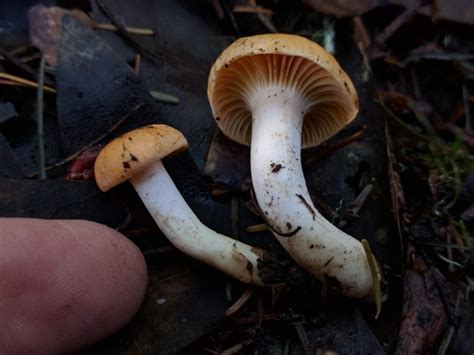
(186, 232)
(280, 189)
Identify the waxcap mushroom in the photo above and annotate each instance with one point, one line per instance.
(134, 151)
(279, 94)
(137, 156)
(285, 60)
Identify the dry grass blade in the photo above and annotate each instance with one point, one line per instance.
(257, 228)
(252, 10)
(356, 205)
(24, 82)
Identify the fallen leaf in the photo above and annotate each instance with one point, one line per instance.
(424, 316)
(45, 27)
(343, 8)
(97, 89)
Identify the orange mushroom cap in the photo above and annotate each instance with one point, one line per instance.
(288, 61)
(134, 151)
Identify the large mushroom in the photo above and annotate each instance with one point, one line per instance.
(137, 156)
(280, 93)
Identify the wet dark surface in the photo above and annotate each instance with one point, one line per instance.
(60, 199)
(97, 90)
(186, 300)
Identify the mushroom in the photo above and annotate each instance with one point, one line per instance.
(136, 156)
(280, 93)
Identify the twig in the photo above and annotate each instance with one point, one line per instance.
(18, 63)
(142, 31)
(398, 22)
(240, 302)
(356, 205)
(25, 82)
(326, 151)
(39, 120)
(397, 119)
(136, 64)
(237, 348)
(450, 262)
(98, 139)
(226, 7)
(303, 337)
(218, 8)
(265, 20)
(257, 228)
(252, 10)
(362, 32)
(124, 33)
(286, 349)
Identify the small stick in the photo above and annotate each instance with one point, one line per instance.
(397, 22)
(25, 82)
(252, 10)
(362, 32)
(136, 64)
(142, 31)
(18, 63)
(240, 302)
(257, 228)
(356, 205)
(236, 348)
(303, 337)
(39, 120)
(125, 35)
(325, 152)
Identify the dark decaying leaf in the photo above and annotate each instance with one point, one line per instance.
(60, 199)
(228, 162)
(125, 35)
(97, 90)
(9, 164)
(7, 111)
(424, 314)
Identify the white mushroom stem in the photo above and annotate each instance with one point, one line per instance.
(280, 189)
(186, 232)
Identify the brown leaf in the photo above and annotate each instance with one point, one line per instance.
(424, 315)
(453, 10)
(343, 8)
(45, 26)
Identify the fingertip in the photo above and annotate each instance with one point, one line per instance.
(65, 284)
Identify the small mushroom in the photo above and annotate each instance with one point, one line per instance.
(136, 156)
(278, 94)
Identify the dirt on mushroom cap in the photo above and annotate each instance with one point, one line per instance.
(132, 152)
